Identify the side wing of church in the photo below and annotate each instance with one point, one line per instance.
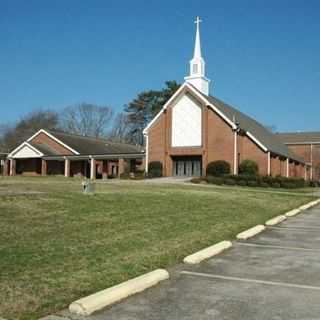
(194, 128)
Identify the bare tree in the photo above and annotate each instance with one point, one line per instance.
(12, 135)
(86, 119)
(120, 129)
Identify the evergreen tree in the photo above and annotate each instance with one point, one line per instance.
(144, 107)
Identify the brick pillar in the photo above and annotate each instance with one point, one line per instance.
(105, 170)
(120, 166)
(67, 168)
(43, 167)
(12, 167)
(6, 167)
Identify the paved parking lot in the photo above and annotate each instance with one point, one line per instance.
(273, 276)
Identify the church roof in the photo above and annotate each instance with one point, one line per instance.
(299, 137)
(268, 139)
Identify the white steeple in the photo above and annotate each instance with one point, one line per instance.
(197, 65)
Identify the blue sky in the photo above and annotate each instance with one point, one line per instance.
(262, 56)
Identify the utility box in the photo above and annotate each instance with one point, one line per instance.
(88, 187)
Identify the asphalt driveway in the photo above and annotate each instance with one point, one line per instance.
(273, 276)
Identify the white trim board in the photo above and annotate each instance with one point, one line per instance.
(37, 153)
(199, 96)
(53, 138)
(253, 138)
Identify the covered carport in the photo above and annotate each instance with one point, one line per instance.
(3, 164)
(60, 153)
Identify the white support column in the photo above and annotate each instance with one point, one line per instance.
(311, 160)
(235, 157)
(305, 172)
(269, 163)
(92, 168)
(66, 167)
(147, 154)
(288, 171)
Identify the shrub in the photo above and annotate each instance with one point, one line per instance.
(155, 169)
(215, 180)
(218, 168)
(198, 180)
(248, 167)
(288, 185)
(230, 182)
(242, 183)
(275, 185)
(313, 184)
(264, 184)
(252, 183)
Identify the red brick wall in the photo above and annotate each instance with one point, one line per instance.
(220, 139)
(156, 140)
(304, 151)
(275, 166)
(42, 138)
(316, 162)
(249, 150)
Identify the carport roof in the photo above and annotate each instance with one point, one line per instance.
(87, 145)
(3, 155)
(44, 149)
(91, 146)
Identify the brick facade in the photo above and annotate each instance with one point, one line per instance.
(311, 154)
(217, 143)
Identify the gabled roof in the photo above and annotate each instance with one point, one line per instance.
(79, 145)
(44, 149)
(94, 146)
(267, 140)
(3, 155)
(25, 150)
(299, 137)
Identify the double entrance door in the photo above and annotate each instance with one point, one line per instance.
(187, 166)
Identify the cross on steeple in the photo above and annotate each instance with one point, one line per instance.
(197, 65)
(198, 21)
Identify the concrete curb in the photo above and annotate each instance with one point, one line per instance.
(250, 232)
(292, 212)
(275, 220)
(309, 205)
(52, 317)
(104, 298)
(206, 253)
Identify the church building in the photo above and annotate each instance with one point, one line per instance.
(195, 128)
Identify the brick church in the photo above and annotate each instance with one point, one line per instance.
(194, 128)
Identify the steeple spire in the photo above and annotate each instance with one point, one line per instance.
(197, 45)
(197, 65)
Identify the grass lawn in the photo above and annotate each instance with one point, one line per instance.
(58, 245)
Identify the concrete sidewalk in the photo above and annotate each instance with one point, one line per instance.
(273, 276)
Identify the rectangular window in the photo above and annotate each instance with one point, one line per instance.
(195, 68)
